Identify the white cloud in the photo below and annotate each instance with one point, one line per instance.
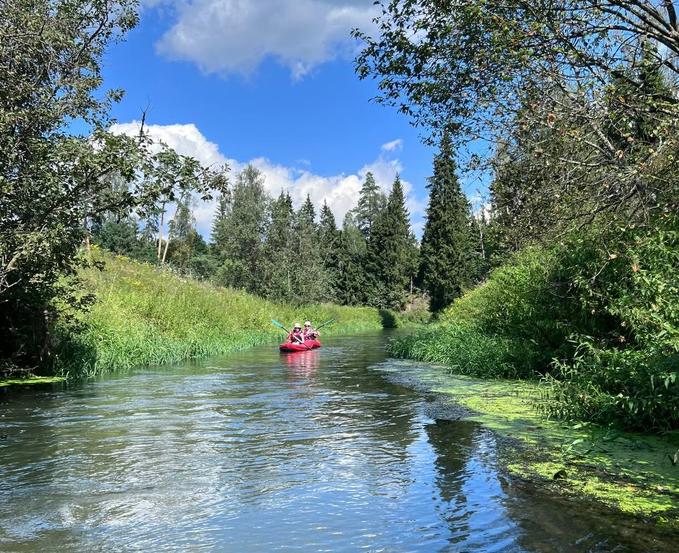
(393, 146)
(340, 191)
(235, 36)
(184, 139)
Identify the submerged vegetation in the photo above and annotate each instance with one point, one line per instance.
(632, 473)
(145, 315)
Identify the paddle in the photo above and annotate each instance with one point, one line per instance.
(326, 323)
(279, 325)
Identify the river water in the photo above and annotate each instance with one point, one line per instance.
(257, 451)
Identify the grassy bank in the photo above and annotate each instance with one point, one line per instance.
(146, 316)
(596, 317)
(629, 472)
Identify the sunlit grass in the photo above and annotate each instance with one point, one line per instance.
(146, 316)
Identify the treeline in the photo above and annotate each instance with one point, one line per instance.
(581, 104)
(265, 246)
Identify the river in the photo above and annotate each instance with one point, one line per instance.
(257, 451)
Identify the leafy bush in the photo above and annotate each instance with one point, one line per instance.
(596, 315)
(626, 372)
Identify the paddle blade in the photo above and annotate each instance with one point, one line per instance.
(279, 325)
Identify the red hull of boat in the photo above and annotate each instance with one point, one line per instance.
(306, 346)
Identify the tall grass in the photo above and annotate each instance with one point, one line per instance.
(596, 317)
(144, 315)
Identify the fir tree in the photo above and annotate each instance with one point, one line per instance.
(278, 251)
(390, 253)
(329, 246)
(309, 277)
(351, 259)
(446, 241)
(371, 202)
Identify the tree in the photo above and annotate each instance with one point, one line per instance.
(352, 253)
(279, 258)
(220, 224)
(390, 253)
(309, 276)
(464, 67)
(54, 181)
(240, 252)
(371, 201)
(329, 239)
(446, 242)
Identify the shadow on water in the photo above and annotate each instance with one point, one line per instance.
(259, 451)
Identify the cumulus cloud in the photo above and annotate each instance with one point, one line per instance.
(393, 146)
(235, 36)
(339, 191)
(186, 140)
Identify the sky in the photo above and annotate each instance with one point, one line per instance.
(272, 83)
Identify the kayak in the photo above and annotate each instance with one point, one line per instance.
(289, 347)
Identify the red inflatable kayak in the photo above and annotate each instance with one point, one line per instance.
(306, 346)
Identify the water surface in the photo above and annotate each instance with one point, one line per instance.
(257, 451)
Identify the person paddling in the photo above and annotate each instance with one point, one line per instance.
(309, 332)
(296, 336)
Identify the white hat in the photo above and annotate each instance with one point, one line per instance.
(307, 323)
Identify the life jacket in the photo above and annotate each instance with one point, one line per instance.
(295, 337)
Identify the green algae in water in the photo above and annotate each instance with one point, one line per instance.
(32, 380)
(629, 472)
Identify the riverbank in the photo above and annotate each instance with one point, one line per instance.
(144, 315)
(631, 473)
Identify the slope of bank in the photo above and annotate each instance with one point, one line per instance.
(595, 317)
(147, 316)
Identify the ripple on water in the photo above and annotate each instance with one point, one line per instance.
(261, 452)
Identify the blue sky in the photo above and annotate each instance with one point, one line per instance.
(269, 82)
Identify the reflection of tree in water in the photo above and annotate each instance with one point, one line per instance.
(452, 441)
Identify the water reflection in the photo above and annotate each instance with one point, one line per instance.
(302, 362)
(258, 452)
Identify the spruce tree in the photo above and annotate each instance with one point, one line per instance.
(371, 202)
(309, 277)
(351, 259)
(390, 254)
(329, 246)
(279, 258)
(446, 241)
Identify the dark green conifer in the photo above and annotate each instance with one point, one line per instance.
(329, 246)
(389, 253)
(371, 202)
(446, 241)
(352, 253)
(309, 277)
(278, 251)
